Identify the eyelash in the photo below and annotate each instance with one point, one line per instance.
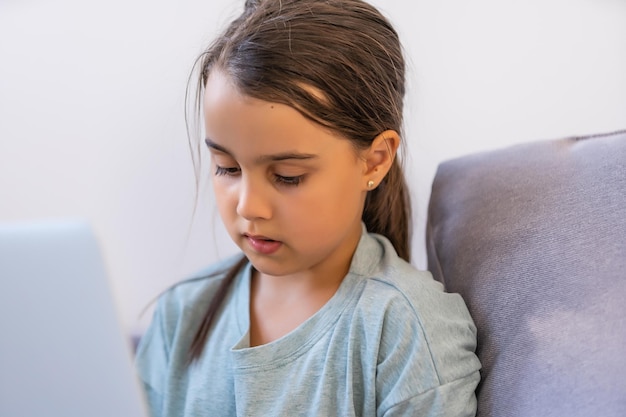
(278, 179)
(226, 171)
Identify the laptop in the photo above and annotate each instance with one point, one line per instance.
(62, 348)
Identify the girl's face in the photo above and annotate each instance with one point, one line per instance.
(289, 191)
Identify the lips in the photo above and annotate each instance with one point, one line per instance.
(262, 244)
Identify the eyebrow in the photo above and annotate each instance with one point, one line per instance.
(264, 158)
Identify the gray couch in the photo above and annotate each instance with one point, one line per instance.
(533, 236)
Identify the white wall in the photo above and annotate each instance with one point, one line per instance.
(91, 110)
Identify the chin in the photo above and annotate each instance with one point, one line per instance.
(270, 267)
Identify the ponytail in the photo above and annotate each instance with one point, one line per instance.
(388, 211)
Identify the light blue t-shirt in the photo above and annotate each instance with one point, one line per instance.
(390, 342)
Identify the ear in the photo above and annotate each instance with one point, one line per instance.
(379, 157)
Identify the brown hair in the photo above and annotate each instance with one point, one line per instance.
(285, 51)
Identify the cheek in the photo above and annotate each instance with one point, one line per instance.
(335, 196)
(345, 184)
(223, 198)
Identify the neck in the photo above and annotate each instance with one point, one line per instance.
(279, 304)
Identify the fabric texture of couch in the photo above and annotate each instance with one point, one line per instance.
(533, 236)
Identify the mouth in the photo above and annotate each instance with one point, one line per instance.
(262, 244)
(259, 237)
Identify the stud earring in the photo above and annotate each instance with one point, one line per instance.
(370, 184)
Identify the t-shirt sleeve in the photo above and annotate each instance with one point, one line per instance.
(152, 359)
(454, 399)
(427, 363)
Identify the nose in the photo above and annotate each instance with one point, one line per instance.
(253, 200)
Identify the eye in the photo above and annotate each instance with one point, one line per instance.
(229, 171)
(290, 181)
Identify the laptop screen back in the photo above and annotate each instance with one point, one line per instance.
(62, 348)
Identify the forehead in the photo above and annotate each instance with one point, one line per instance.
(250, 126)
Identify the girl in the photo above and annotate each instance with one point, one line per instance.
(322, 315)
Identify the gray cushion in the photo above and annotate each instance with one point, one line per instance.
(533, 236)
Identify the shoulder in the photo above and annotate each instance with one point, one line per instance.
(178, 312)
(417, 294)
(181, 308)
(403, 286)
(422, 328)
(193, 294)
